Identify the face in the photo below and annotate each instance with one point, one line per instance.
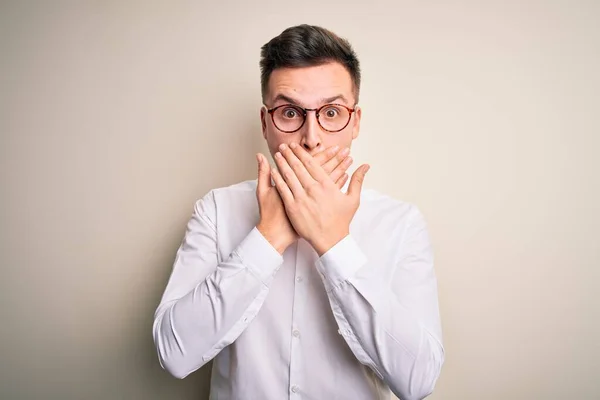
(310, 87)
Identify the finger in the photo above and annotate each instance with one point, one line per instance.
(333, 162)
(288, 174)
(282, 187)
(264, 174)
(324, 156)
(341, 181)
(309, 164)
(297, 166)
(341, 169)
(357, 181)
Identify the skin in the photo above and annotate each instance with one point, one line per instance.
(306, 200)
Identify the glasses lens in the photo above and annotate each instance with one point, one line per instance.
(288, 118)
(333, 117)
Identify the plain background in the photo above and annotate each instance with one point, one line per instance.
(116, 116)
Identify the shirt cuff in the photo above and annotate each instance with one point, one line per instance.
(259, 256)
(340, 262)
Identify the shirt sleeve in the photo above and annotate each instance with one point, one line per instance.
(207, 304)
(390, 321)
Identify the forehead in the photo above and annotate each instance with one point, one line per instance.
(309, 85)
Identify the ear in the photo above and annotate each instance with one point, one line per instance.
(263, 121)
(356, 126)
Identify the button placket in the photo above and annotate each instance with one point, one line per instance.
(296, 366)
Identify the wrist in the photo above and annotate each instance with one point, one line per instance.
(276, 239)
(324, 244)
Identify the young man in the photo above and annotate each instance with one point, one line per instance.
(292, 288)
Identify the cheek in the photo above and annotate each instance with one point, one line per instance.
(275, 138)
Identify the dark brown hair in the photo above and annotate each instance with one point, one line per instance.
(307, 46)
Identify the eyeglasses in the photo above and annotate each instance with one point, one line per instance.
(289, 118)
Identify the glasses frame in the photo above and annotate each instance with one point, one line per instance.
(271, 111)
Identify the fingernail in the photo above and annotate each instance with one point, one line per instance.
(282, 146)
(335, 149)
(348, 160)
(293, 145)
(278, 155)
(367, 169)
(345, 152)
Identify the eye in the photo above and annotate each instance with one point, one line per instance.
(290, 113)
(331, 112)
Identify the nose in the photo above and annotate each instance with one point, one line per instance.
(311, 135)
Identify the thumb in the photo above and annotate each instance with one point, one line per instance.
(264, 173)
(357, 179)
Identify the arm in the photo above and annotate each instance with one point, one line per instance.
(392, 323)
(388, 313)
(208, 304)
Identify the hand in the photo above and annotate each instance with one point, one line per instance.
(335, 162)
(274, 224)
(318, 211)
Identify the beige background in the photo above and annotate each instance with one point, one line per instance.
(116, 116)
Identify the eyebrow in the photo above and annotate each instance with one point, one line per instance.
(327, 100)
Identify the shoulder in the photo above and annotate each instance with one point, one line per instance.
(209, 202)
(245, 186)
(389, 226)
(237, 199)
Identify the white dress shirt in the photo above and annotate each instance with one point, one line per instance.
(352, 324)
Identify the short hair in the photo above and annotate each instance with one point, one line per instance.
(307, 46)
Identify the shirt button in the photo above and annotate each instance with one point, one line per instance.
(295, 389)
(296, 333)
(299, 279)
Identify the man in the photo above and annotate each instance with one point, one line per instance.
(293, 289)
